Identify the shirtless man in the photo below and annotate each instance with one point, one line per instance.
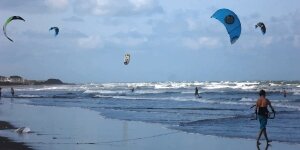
(262, 111)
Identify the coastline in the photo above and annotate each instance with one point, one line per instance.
(18, 80)
(78, 128)
(8, 144)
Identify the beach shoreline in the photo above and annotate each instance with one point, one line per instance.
(8, 144)
(79, 128)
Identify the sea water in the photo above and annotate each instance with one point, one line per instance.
(223, 109)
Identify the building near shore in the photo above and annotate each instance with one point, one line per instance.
(12, 79)
(16, 79)
(4, 79)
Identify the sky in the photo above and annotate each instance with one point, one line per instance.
(169, 40)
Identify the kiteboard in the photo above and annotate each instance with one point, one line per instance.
(271, 115)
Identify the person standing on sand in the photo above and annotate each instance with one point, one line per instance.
(12, 91)
(262, 111)
(0, 92)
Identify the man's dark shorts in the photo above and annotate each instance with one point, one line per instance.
(263, 120)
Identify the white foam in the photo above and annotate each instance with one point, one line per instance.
(105, 92)
(149, 91)
(245, 99)
(212, 86)
(131, 98)
(231, 85)
(102, 96)
(171, 85)
(190, 92)
(287, 106)
(166, 98)
(52, 88)
(23, 130)
(28, 96)
(296, 93)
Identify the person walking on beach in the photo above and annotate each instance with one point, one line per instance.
(262, 112)
(12, 91)
(197, 92)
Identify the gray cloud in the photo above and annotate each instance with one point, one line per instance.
(34, 6)
(73, 19)
(29, 6)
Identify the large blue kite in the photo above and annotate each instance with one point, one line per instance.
(230, 21)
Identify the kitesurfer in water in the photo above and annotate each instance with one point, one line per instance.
(262, 112)
(284, 93)
(12, 91)
(197, 92)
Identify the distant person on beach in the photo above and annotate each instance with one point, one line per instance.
(12, 91)
(284, 93)
(197, 92)
(0, 92)
(132, 90)
(261, 110)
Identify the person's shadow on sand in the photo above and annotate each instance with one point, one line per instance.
(266, 148)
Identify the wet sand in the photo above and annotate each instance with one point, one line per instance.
(7, 144)
(77, 128)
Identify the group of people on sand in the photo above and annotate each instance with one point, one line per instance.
(12, 91)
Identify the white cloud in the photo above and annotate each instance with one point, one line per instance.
(57, 4)
(117, 7)
(128, 41)
(73, 19)
(90, 42)
(192, 24)
(140, 5)
(267, 41)
(201, 42)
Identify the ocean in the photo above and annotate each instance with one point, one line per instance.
(223, 110)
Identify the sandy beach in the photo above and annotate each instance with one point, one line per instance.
(7, 144)
(77, 128)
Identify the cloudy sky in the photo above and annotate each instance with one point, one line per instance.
(169, 40)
